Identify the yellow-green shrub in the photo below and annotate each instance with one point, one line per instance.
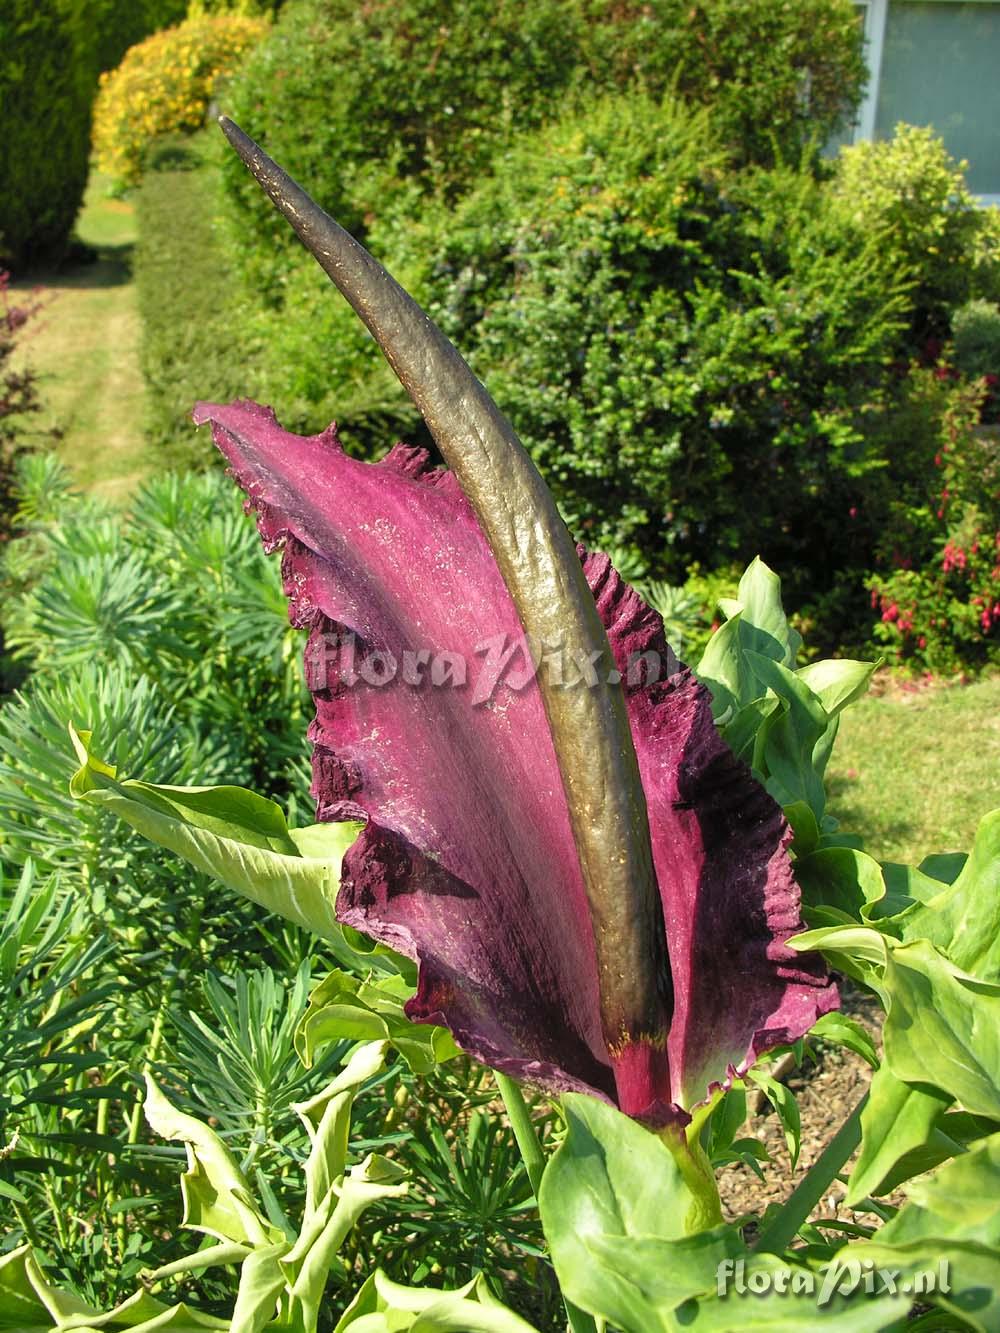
(164, 85)
(912, 194)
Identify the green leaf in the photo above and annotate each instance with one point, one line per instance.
(945, 866)
(261, 1283)
(740, 732)
(802, 1304)
(755, 624)
(308, 1263)
(943, 1027)
(226, 1252)
(847, 1032)
(327, 1118)
(961, 1201)
(727, 1119)
(334, 1202)
(837, 682)
(29, 1304)
(615, 1211)
(858, 951)
(790, 736)
(787, 1108)
(343, 1007)
(233, 835)
(217, 1198)
(904, 886)
(805, 828)
(897, 1122)
(963, 920)
(840, 877)
(719, 669)
(384, 1306)
(765, 628)
(952, 1218)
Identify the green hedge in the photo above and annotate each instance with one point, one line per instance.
(690, 356)
(192, 341)
(357, 100)
(51, 54)
(119, 24)
(47, 82)
(704, 362)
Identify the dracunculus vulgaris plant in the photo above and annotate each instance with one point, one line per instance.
(597, 892)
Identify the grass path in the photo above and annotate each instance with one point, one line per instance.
(915, 770)
(85, 346)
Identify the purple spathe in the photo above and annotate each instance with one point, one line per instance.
(467, 862)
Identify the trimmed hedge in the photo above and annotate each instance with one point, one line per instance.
(192, 339)
(51, 54)
(357, 100)
(47, 80)
(119, 24)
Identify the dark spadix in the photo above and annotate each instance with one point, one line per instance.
(537, 558)
(531, 901)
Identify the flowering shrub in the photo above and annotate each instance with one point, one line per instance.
(944, 617)
(164, 84)
(939, 607)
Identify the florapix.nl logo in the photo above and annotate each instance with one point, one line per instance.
(841, 1277)
(343, 659)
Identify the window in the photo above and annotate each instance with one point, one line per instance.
(935, 62)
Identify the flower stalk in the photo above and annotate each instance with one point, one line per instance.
(540, 566)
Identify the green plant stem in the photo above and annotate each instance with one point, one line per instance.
(534, 1163)
(27, 1225)
(524, 1131)
(152, 1051)
(696, 1170)
(776, 1237)
(57, 1212)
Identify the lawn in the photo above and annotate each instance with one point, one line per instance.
(85, 345)
(914, 770)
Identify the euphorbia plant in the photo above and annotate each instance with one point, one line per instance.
(598, 892)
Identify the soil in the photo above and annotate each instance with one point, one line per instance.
(827, 1092)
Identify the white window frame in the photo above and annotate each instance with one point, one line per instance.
(876, 12)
